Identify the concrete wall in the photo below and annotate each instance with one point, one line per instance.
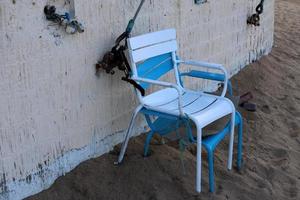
(54, 111)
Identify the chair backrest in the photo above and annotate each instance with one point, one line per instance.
(152, 54)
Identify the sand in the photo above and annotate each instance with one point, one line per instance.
(271, 155)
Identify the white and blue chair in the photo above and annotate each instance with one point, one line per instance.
(154, 55)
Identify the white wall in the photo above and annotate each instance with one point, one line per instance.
(54, 111)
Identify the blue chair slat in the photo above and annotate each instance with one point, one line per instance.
(154, 68)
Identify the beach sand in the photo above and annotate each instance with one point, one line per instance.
(271, 154)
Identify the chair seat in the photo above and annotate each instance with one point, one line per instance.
(200, 107)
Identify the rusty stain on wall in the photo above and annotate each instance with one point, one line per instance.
(55, 113)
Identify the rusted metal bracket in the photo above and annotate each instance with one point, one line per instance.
(255, 18)
(200, 1)
(68, 20)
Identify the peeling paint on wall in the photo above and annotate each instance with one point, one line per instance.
(46, 172)
(54, 111)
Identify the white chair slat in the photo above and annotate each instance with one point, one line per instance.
(154, 50)
(151, 39)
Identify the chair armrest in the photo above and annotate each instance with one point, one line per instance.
(164, 84)
(204, 75)
(211, 66)
(209, 76)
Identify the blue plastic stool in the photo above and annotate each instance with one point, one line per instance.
(210, 143)
(166, 124)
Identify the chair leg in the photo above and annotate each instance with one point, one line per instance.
(198, 166)
(147, 143)
(229, 88)
(129, 130)
(240, 143)
(230, 152)
(210, 156)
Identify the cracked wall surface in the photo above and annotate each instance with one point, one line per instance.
(54, 111)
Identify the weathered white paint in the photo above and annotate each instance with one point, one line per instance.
(54, 111)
